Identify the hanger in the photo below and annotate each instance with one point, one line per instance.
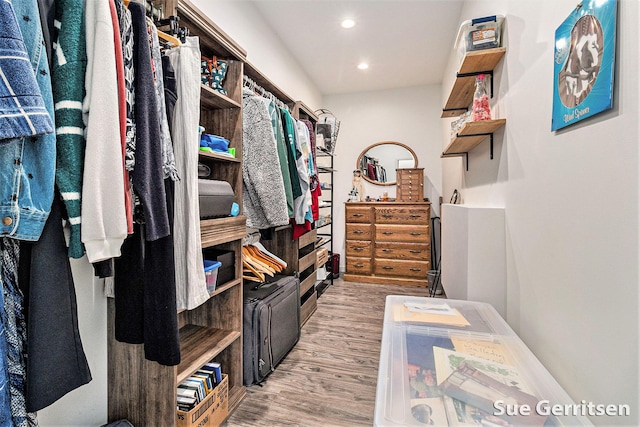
(126, 3)
(174, 42)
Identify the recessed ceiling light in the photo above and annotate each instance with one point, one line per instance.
(363, 66)
(348, 23)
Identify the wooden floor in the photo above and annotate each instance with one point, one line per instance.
(329, 378)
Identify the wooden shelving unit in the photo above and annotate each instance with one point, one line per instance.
(474, 63)
(461, 97)
(142, 391)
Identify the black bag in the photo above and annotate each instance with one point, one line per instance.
(271, 325)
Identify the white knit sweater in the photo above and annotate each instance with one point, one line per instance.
(104, 224)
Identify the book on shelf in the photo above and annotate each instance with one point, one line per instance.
(217, 369)
(194, 385)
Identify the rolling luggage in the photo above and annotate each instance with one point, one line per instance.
(271, 325)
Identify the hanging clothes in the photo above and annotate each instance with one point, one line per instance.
(27, 170)
(57, 363)
(168, 158)
(147, 174)
(104, 230)
(68, 73)
(314, 181)
(145, 283)
(190, 280)
(263, 195)
(281, 144)
(289, 134)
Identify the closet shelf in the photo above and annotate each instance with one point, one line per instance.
(214, 100)
(326, 169)
(474, 63)
(225, 287)
(221, 157)
(222, 230)
(199, 345)
(324, 152)
(323, 241)
(472, 134)
(323, 225)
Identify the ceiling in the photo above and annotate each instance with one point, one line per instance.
(405, 42)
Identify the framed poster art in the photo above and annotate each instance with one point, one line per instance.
(584, 63)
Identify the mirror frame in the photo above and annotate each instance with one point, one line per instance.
(366, 178)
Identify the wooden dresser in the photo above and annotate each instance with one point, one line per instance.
(388, 243)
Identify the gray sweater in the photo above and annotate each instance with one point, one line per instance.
(263, 196)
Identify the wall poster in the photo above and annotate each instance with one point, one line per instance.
(584, 62)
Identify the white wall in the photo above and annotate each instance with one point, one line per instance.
(571, 204)
(410, 116)
(242, 21)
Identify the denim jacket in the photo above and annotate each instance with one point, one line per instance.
(27, 164)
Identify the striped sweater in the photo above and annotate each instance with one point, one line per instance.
(69, 65)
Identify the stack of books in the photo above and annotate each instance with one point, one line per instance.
(198, 386)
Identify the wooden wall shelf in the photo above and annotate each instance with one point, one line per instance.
(472, 134)
(474, 63)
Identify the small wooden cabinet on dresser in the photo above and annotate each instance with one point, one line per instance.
(388, 242)
(409, 184)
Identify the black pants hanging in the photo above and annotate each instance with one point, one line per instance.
(56, 362)
(145, 293)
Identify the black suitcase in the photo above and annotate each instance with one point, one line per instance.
(271, 325)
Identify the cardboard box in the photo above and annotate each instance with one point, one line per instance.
(211, 412)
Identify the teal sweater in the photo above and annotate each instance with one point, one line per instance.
(68, 72)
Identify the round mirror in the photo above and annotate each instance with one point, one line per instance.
(379, 161)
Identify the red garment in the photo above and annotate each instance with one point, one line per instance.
(315, 203)
(299, 229)
(122, 101)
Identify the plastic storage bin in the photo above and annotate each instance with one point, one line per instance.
(446, 362)
(211, 274)
(478, 34)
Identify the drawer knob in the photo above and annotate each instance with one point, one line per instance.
(387, 250)
(386, 267)
(415, 251)
(358, 232)
(415, 269)
(358, 215)
(387, 216)
(358, 249)
(416, 234)
(387, 233)
(358, 265)
(414, 216)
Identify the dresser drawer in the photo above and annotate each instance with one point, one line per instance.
(358, 248)
(415, 269)
(409, 194)
(356, 265)
(403, 215)
(358, 214)
(403, 233)
(358, 232)
(403, 251)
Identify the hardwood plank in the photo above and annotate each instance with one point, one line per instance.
(330, 376)
(222, 230)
